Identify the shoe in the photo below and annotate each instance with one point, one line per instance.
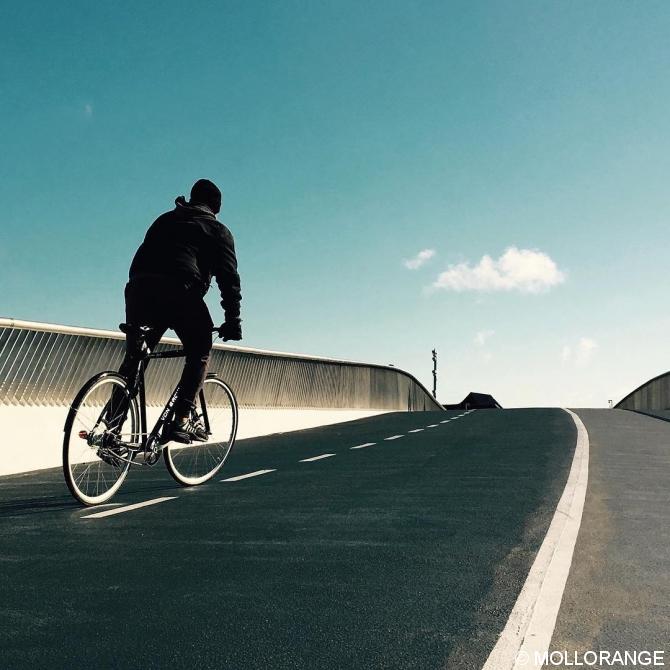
(187, 430)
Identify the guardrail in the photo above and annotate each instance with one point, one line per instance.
(43, 364)
(652, 395)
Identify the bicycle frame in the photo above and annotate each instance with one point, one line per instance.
(138, 388)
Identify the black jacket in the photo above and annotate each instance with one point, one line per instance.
(190, 246)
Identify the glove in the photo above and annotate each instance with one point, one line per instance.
(231, 330)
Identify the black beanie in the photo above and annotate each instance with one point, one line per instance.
(205, 192)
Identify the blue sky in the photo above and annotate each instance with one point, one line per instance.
(347, 138)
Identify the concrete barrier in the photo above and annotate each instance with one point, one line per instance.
(652, 398)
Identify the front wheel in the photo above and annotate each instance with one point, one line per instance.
(102, 417)
(216, 409)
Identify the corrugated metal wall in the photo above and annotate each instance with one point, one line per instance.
(42, 364)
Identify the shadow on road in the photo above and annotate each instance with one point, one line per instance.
(36, 505)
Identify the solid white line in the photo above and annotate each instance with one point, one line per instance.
(393, 437)
(316, 458)
(256, 473)
(445, 421)
(416, 430)
(531, 623)
(362, 446)
(127, 508)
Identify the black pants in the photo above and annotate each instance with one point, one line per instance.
(162, 304)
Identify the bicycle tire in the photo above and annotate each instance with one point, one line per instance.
(196, 463)
(93, 471)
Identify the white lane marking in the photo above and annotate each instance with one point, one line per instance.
(445, 421)
(362, 446)
(128, 508)
(316, 458)
(433, 425)
(256, 473)
(527, 634)
(393, 437)
(416, 430)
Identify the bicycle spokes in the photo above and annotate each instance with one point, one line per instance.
(197, 462)
(96, 455)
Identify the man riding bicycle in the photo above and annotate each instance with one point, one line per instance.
(168, 279)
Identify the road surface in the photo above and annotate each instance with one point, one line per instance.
(398, 541)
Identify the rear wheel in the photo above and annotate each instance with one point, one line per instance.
(102, 416)
(216, 409)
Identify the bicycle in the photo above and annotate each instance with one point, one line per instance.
(106, 430)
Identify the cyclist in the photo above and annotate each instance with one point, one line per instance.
(169, 276)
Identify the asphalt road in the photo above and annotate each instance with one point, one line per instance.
(352, 550)
(405, 553)
(617, 597)
(408, 553)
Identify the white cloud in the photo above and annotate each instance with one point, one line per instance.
(582, 353)
(585, 350)
(420, 259)
(88, 110)
(523, 270)
(482, 336)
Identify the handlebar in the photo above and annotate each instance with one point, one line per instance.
(218, 334)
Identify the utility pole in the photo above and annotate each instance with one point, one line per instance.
(435, 374)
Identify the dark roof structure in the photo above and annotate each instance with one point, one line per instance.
(476, 401)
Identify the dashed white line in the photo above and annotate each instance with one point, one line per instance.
(362, 446)
(316, 458)
(393, 437)
(256, 473)
(445, 421)
(127, 508)
(416, 430)
(433, 425)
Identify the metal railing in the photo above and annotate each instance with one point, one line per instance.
(44, 364)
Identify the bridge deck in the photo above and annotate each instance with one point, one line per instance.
(386, 553)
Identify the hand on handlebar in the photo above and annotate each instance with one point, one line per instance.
(231, 330)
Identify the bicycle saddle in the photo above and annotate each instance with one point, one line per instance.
(131, 329)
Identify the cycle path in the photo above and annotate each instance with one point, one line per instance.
(406, 553)
(618, 592)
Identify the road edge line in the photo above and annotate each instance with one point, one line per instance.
(530, 627)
